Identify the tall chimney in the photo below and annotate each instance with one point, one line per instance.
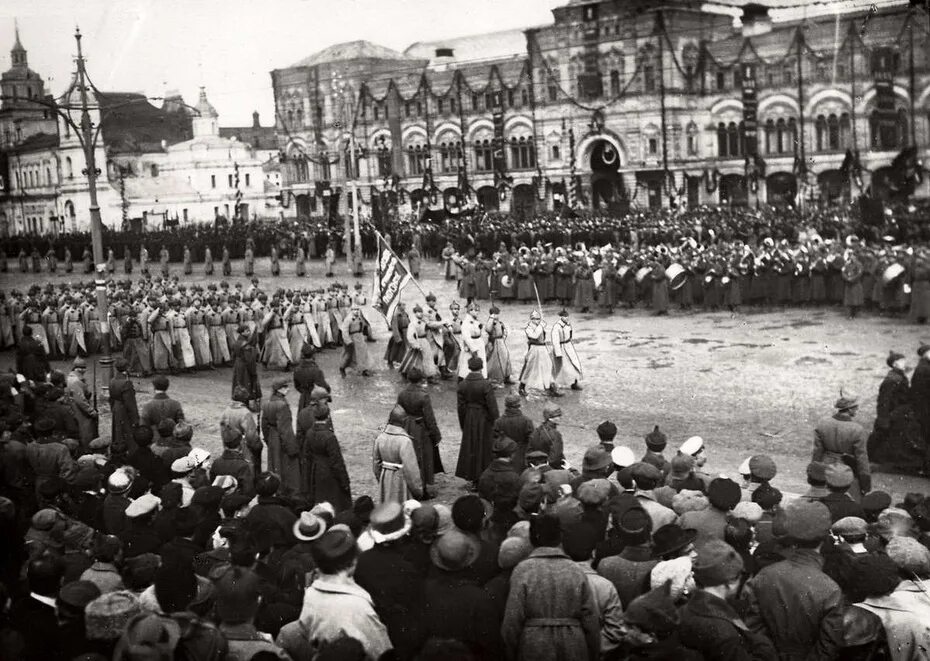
(756, 20)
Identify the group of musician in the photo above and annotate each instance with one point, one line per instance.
(892, 279)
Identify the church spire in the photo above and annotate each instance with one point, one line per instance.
(18, 53)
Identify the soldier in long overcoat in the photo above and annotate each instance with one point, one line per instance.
(324, 464)
(895, 437)
(920, 392)
(513, 424)
(394, 461)
(245, 364)
(420, 423)
(123, 409)
(278, 432)
(477, 408)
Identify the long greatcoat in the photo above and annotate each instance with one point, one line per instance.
(841, 440)
(283, 448)
(477, 409)
(395, 465)
(245, 367)
(423, 430)
(125, 414)
(31, 359)
(920, 396)
(513, 424)
(326, 469)
(551, 613)
(895, 438)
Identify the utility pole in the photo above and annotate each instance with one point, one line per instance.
(96, 226)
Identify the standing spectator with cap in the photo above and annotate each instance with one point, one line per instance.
(550, 612)
(81, 396)
(308, 375)
(595, 465)
(34, 616)
(500, 481)
(238, 429)
(547, 437)
(394, 461)
(477, 409)
(31, 357)
(697, 449)
(792, 601)
(238, 596)
(647, 477)
(839, 478)
(454, 606)
(232, 462)
(709, 624)
(116, 502)
(107, 554)
(144, 460)
(139, 536)
(711, 523)
(656, 441)
(841, 440)
(817, 479)
(334, 605)
(160, 407)
(896, 437)
(420, 423)
(681, 477)
(920, 391)
(629, 571)
(757, 470)
(48, 457)
(278, 432)
(606, 433)
(324, 465)
(516, 426)
(123, 409)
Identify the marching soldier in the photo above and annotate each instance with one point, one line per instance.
(207, 261)
(200, 338)
(537, 364)
(355, 350)
(566, 365)
(227, 263)
(300, 262)
(188, 260)
(419, 347)
(498, 355)
(397, 342)
(127, 261)
(135, 348)
(144, 261)
(473, 344)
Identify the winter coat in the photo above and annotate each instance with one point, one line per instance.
(797, 606)
(920, 396)
(477, 408)
(905, 616)
(160, 407)
(49, 459)
(308, 374)
(283, 446)
(124, 412)
(458, 609)
(31, 359)
(841, 440)
(547, 438)
(710, 626)
(514, 425)
(234, 464)
(551, 613)
(423, 430)
(395, 465)
(499, 481)
(245, 368)
(897, 430)
(83, 407)
(326, 469)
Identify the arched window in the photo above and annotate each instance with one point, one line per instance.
(522, 153)
(484, 156)
(290, 117)
(299, 115)
(692, 139)
(649, 76)
(770, 136)
(787, 72)
(614, 84)
(902, 127)
(781, 136)
(820, 128)
(833, 132)
(416, 159)
(792, 141)
(733, 138)
(385, 162)
(845, 129)
(721, 139)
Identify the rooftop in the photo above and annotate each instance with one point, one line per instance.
(131, 124)
(488, 46)
(348, 51)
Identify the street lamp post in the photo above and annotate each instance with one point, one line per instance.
(96, 226)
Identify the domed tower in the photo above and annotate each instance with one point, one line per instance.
(22, 112)
(206, 120)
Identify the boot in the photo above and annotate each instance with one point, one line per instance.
(577, 386)
(554, 391)
(522, 390)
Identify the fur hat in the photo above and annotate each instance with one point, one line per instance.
(687, 500)
(656, 440)
(654, 612)
(106, 617)
(715, 563)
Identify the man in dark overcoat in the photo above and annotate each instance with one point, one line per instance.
(245, 363)
(421, 425)
(896, 438)
(477, 409)
(161, 406)
(514, 425)
(31, 359)
(123, 409)
(307, 375)
(920, 392)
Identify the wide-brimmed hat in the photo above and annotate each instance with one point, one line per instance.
(455, 550)
(670, 538)
(388, 523)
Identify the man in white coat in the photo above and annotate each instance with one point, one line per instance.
(473, 343)
(394, 461)
(566, 367)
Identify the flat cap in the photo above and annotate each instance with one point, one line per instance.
(849, 526)
(594, 492)
(806, 521)
(876, 501)
(144, 504)
(643, 471)
(551, 411)
(716, 562)
(762, 467)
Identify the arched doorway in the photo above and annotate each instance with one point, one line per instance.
(833, 186)
(488, 198)
(523, 204)
(453, 200)
(883, 184)
(733, 190)
(606, 184)
(781, 189)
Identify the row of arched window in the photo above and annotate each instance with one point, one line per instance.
(32, 177)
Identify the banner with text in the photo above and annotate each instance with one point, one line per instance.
(750, 108)
(390, 278)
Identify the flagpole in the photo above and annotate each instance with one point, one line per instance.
(399, 261)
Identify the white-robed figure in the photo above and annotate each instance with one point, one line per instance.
(565, 363)
(394, 461)
(300, 327)
(182, 339)
(72, 322)
(321, 319)
(419, 352)
(354, 350)
(537, 365)
(231, 323)
(200, 338)
(472, 341)
(276, 353)
(216, 333)
(56, 339)
(161, 333)
(498, 363)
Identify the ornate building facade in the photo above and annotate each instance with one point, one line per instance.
(616, 103)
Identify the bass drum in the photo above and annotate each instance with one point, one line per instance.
(642, 274)
(892, 273)
(676, 275)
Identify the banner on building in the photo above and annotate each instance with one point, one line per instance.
(497, 142)
(750, 108)
(390, 278)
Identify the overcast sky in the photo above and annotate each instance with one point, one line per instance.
(230, 46)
